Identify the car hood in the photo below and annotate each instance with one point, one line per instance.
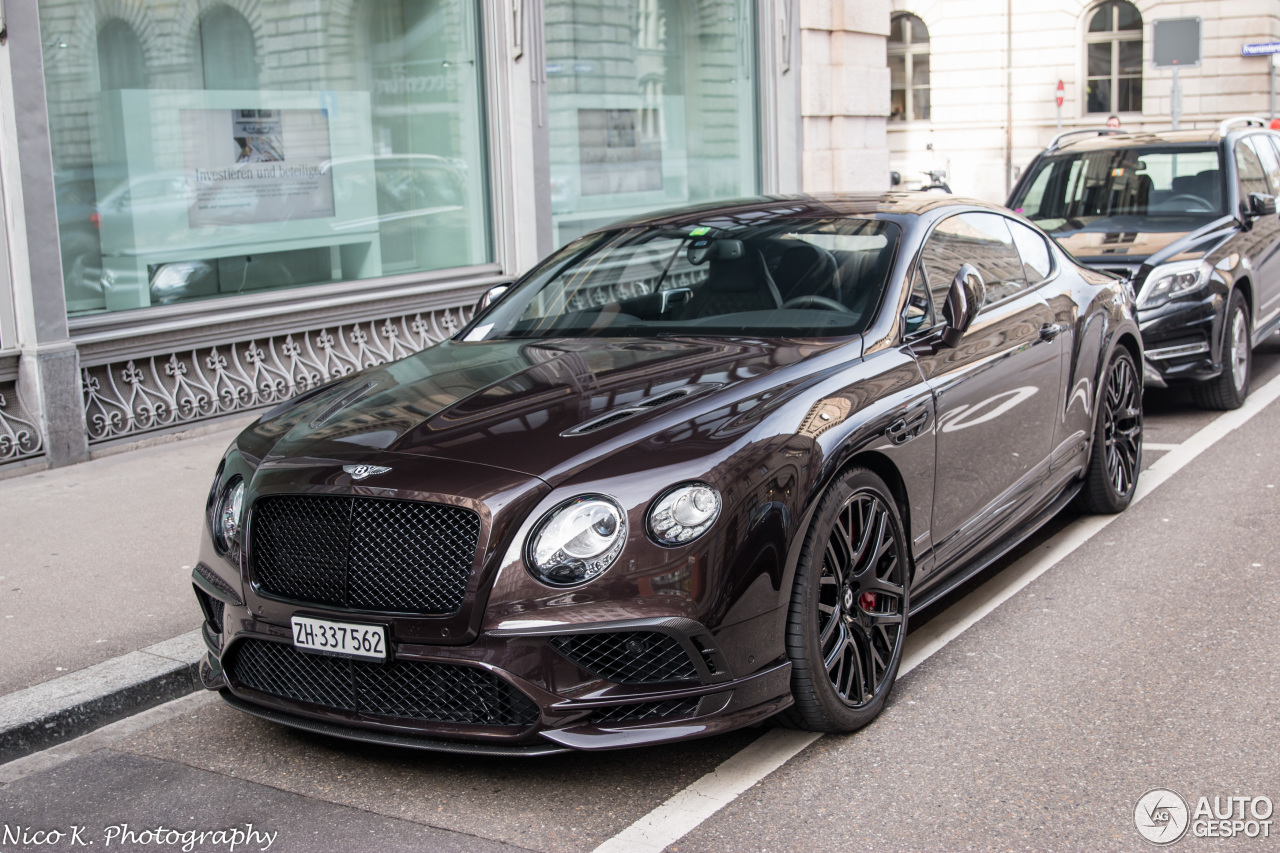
(1131, 241)
(542, 407)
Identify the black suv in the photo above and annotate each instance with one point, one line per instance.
(1189, 217)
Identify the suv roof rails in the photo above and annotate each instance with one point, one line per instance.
(1056, 142)
(1225, 127)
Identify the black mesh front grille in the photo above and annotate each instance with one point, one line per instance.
(646, 711)
(366, 553)
(413, 690)
(628, 657)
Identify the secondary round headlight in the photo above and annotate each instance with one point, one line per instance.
(577, 540)
(684, 513)
(230, 514)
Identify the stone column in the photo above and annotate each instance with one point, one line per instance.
(48, 368)
(844, 94)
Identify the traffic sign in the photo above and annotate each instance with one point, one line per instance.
(1260, 48)
(1061, 90)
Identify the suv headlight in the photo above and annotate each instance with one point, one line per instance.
(684, 513)
(1169, 281)
(226, 524)
(577, 541)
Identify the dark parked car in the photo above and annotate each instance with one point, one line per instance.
(1190, 218)
(691, 472)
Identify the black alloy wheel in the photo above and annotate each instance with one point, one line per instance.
(848, 616)
(1230, 389)
(1116, 457)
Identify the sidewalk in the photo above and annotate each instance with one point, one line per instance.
(95, 559)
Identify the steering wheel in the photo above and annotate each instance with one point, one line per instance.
(815, 301)
(1191, 199)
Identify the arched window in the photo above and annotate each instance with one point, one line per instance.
(229, 56)
(908, 68)
(1113, 58)
(120, 61)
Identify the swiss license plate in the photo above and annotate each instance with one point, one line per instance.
(340, 638)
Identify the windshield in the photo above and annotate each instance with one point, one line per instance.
(781, 278)
(1124, 189)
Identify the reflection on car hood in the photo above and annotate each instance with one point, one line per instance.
(1124, 247)
(506, 403)
(1130, 241)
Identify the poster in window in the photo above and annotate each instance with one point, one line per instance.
(252, 166)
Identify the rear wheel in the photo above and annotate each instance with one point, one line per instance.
(1117, 440)
(1231, 387)
(848, 616)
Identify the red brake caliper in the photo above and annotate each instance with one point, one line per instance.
(867, 601)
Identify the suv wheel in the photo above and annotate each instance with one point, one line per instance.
(1231, 387)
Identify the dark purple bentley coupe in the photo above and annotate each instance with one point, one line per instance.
(691, 472)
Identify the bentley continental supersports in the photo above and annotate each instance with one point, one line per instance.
(692, 472)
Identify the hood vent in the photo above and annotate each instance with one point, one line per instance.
(611, 418)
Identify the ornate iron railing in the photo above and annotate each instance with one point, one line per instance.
(123, 399)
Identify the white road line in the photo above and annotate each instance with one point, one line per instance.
(682, 813)
(1151, 445)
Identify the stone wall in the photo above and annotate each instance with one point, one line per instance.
(844, 95)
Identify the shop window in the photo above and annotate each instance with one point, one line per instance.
(652, 104)
(1113, 58)
(908, 69)
(281, 147)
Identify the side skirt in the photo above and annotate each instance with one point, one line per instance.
(1006, 544)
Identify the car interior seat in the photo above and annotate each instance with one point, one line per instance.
(807, 270)
(733, 286)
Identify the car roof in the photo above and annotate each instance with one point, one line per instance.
(747, 211)
(1109, 142)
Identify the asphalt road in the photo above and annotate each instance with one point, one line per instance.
(1148, 657)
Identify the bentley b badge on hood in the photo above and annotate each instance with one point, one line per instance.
(359, 472)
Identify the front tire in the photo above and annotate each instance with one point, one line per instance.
(848, 616)
(1116, 458)
(1231, 387)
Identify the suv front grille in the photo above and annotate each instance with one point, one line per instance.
(628, 657)
(365, 553)
(412, 690)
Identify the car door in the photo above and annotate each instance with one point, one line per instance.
(997, 392)
(1254, 155)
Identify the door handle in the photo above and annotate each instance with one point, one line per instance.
(1049, 331)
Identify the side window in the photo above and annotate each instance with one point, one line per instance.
(1037, 263)
(920, 314)
(1249, 171)
(1266, 151)
(981, 239)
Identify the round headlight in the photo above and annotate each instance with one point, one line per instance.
(684, 513)
(230, 514)
(577, 540)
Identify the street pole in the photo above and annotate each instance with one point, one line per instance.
(1175, 99)
(1271, 102)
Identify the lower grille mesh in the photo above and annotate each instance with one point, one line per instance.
(414, 690)
(645, 711)
(628, 657)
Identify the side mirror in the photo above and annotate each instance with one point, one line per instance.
(964, 299)
(1261, 204)
(491, 296)
(895, 178)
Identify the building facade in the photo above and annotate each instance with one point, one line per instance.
(211, 205)
(974, 82)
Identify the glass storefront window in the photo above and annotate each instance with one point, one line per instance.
(204, 148)
(652, 104)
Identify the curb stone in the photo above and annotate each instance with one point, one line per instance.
(55, 711)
